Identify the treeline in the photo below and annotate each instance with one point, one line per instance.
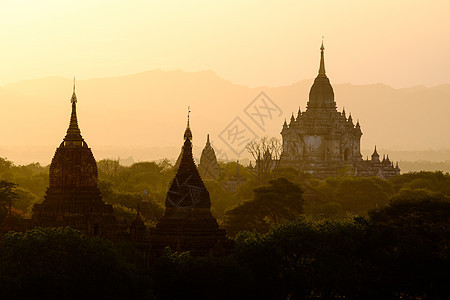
(30, 183)
(252, 204)
(121, 186)
(296, 238)
(400, 251)
(416, 166)
(337, 198)
(397, 252)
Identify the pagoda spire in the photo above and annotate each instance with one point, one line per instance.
(74, 96)
(375, 155)
(187, 180)
(73, 132)
(188, 132)
(322, 62)
(321, 94)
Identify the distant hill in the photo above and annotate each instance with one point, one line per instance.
(147, 112)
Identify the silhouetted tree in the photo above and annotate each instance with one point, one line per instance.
(275, 203)
(7, 197)
(340, 197)
(266, 152)
(437, 182)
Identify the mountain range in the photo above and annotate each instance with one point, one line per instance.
(144, 115)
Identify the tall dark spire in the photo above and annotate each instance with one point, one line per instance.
(322, 62)
(187, 188)
(73, 132)
(187, 223)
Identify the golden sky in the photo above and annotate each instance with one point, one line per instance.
(400, 43)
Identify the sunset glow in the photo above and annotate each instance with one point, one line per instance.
(254, 43)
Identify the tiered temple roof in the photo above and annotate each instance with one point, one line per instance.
(187, 224)
(73, 198)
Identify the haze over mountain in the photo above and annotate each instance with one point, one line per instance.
(144, 115)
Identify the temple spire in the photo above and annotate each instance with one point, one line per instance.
(322, 62)
(188, 115)
(188, 132)
(186, 179)
(74, 96)
(73, 132)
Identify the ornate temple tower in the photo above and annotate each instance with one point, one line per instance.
(208, 167)
(73, 198)
(321, 141)
(187, 224)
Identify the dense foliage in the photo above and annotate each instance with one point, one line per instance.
(62, 263)
(124, 186)
(7, 197)
(296, 237)
(331, 199)
(30, 183)
(400, 251)
(275, 203)
(345, 196)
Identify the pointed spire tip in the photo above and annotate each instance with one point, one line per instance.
(322, 72)
(188, 132)
(74, 96)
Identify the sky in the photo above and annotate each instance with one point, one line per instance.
(253, 43)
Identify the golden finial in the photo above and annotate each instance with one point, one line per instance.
(322, 62)
(74, 96)
(188, 115)
(187, 132)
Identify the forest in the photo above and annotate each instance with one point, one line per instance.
(296, 237)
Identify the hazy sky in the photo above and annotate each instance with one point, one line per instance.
(400, 43)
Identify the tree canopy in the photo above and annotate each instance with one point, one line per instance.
(277, 202)
(63, 263)
(7, 197)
